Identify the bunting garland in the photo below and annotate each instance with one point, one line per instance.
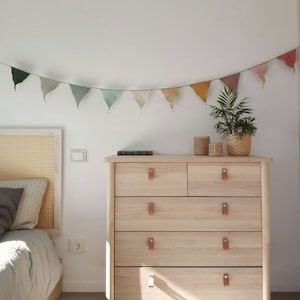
(141, 97)
(18, 75)
(110, 96)
(289, 58)
(48, 85)
(79, 92)
(260, 70)
(171, 95)
(232, 81)
(201, 89)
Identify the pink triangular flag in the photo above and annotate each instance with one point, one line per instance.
(171, 94)
(260, 70)
(289, 58)
(232, 81)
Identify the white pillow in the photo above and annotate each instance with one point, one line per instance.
(27, 215)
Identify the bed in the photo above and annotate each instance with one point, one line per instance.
(30, 213)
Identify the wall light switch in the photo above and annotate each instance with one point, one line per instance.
(77, 245)
(79, 155)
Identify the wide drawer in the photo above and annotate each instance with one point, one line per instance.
(150, 179)
(188, 249)
(224, 179)
(188, 283)
(187, 214)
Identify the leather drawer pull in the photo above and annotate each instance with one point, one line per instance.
(151, 209)
(151, 243)
(151, 173)
(224, 209)
(224, 174)
(225, 243)
(226, 279)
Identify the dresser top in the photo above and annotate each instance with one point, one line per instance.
(186, 158)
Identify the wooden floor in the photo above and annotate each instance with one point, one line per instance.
(101, 296)
(82, 296)
(284, 296)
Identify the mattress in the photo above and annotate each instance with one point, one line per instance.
(29, 265)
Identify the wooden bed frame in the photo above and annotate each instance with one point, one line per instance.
(35, 153)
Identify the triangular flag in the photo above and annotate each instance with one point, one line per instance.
(232, 82)
(260, 70)
(201, 89)
(79, 92)
(110, 96)
(289, 58)
(141, 97)
(171, 94)
(18, 75)
(48, 85)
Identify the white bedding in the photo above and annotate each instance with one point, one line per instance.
(29, 265)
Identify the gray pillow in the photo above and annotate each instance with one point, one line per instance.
(9, 202)
(29, 209)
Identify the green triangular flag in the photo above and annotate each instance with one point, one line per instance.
(79, 92)
(110, 96)
(18, 75)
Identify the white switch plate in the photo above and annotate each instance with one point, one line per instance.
(151, 280)
(79, 155)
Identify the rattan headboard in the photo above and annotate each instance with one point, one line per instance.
(35, 153)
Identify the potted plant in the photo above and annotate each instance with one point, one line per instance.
(235, 122)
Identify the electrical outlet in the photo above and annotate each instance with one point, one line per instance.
(77, 245)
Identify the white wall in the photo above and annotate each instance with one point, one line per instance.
(156, 127)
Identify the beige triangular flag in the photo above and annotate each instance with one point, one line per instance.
(201, 89)
(48, 85)
(141, 97)
(171, 94)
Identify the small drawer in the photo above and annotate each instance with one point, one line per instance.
(151, 179)
(188, 249)
(187, 214)
(224, 179)
(188, 283)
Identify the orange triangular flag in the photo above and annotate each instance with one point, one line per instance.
(201, 89)
(260, 70)
(171, 94)
(232, 81)
(289, 58)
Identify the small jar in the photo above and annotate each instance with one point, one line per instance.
(215, 149)
(201, 145)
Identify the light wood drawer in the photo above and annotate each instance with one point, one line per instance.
(187, 214)
(188, 249)
(188, 283)
(151, 179)
(224, 179)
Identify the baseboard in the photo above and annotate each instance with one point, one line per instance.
(84, 286)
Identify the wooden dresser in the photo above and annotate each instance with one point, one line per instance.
(188, 228)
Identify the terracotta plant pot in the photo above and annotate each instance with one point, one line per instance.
(237, 146)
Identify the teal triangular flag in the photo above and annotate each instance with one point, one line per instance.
(79, 92)
(18, 75)
(110, 96)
